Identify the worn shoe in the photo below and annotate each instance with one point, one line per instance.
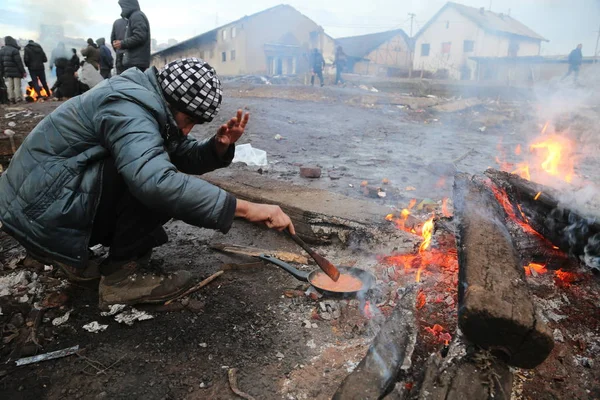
(90, 273)
(128, 285)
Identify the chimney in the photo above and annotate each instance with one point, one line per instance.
(482, 10)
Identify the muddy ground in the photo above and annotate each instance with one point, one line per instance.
(250, 320)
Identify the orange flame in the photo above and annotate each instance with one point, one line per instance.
(401, 221)
(438, 333)
(33, 94)
(537, 268)
(445, 208)
(367, 310)
(502, 198)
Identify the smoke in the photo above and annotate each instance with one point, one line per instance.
(72, 15)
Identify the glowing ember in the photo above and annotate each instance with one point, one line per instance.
(564, 278)
(504, 201)
(438, 333)
(537, 196)
(537, 268)
(368, 313)
(401, 221)
(421, 300)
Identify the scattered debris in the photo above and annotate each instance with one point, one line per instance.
(232, 374)
(12, 124)
(113, 309)
(482, 129)
(95, 327)
(9, 132)
(61, 320)
(129, 317)
(311, 344)
(248, 155)
(385, 181)
(280, 355)
(278, 137)
(558, 336)
(48, 356)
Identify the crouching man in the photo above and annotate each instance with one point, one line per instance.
(111, 167)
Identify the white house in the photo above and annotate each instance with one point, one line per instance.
(457, 32)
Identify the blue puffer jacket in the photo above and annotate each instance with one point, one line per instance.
(50, 191)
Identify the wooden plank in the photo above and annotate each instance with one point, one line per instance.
(496, 309)
(318, 215)
(376, 374)
(255, 252)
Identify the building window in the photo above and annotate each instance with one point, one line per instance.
(224, 56)
(425, 49)
(446, 46)
(232, 56)
(233, 32)
(468, 46)
(212, 54)
(224, 34)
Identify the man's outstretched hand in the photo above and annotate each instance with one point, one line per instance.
(267, 214)
(231, 132)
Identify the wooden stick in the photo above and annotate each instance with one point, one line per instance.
(197, 287)
(232, 374)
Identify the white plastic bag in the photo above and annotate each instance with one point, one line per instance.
(245, 153)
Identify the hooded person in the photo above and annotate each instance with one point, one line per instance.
(112, 166)
(12, 68)
(35, 57)
(74, 62)
(137, 41)
(106, 58)
(118, 34)
(67, 85)
(92, 54)
(59, 58)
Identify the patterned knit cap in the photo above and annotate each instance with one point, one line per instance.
(192, 87)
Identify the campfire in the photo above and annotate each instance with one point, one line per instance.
(31, 95)
(509, 229)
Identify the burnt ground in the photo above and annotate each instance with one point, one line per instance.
(253, 320)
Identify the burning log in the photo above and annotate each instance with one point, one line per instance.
(458, 376)
(496, 310)
(539, 207)
(392, 348)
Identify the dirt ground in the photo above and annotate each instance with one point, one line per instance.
(254, 320)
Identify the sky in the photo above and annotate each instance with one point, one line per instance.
(565, 23)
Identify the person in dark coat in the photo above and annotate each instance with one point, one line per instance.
(35, 57)
(112, 166)
(92, 54)
(575, 61)
(118, 34)
(106, 58)
(59, 59)
(12, 68)
(340, 64)
(317, 63)
(67, 85)
(74, 62)
(137, 40)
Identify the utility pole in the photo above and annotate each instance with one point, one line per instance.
(412, 18)
(411, 45)
(596, 51)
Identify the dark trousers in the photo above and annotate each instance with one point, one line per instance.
(42, 77)
(122, 222)
(105, 73)
(318, 72)
(572, 69)
(59, 72)
(338, 74)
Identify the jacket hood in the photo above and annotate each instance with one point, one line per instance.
(128, 7)
(101, 42)
(11, 41)
(34, 47)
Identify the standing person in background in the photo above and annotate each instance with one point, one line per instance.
(34, 60)
(12, 69)
(106, 58)
(575, 60)
(340, 64)
(60, 59)
(118, 34)
(67, 85)
(74, 63)
(317, 63)
(137, 36)
(92, 54)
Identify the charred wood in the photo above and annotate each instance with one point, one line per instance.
(496, 309)
(392, 348)
(568, 229)
(465, 374)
